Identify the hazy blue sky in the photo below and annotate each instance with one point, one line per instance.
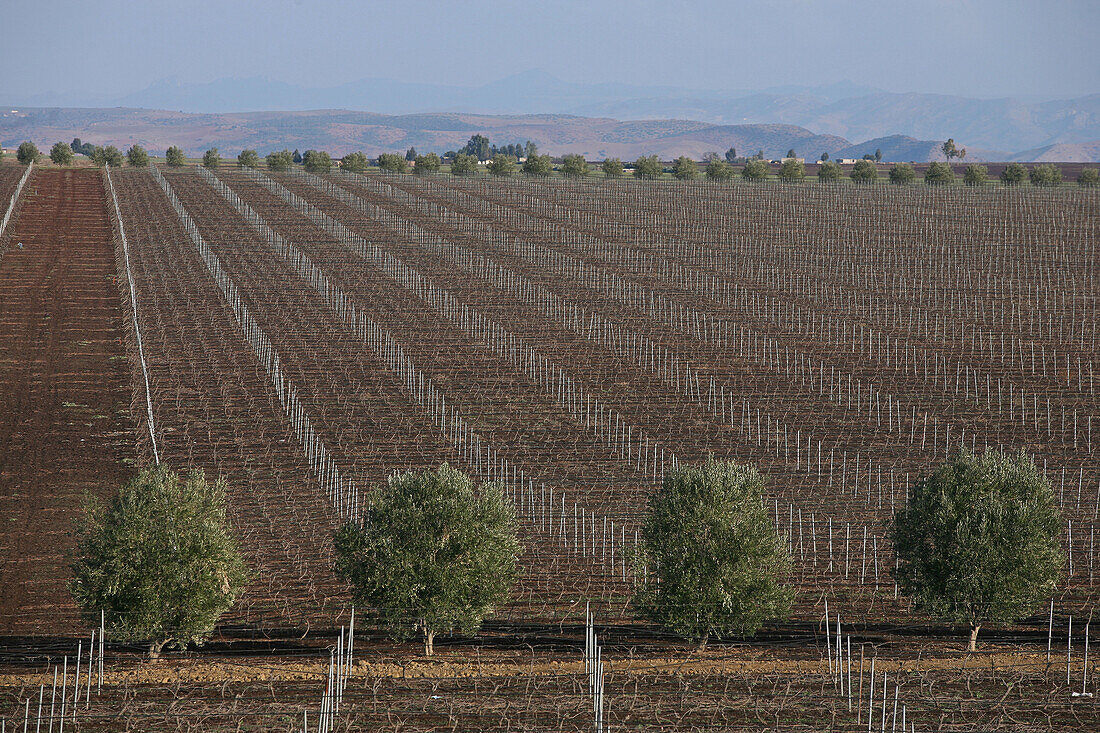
(1045, 48)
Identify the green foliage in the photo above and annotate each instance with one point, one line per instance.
(109, 155)
(431, 553)
(978, 540)
(711, 544)
(719, 170)
(478, 146)
(410, 155)
(684, 169)
(976, 175)
(902, 174)
(317, 161)
(951, 151)
(248, 159)
(296, 157)
(574, 166)
(790, 153)
(355, 162)
(159, 560)
(211, 159)
(537, 165)
(464, 165)
(731, 156)
(426, 164)
(1045, 175)
(137, 156)
(61, 154)
(1089, 177)
(279, 161)
(792, 170)
(27, 153)
(829, 171)
(392, 163)
(1013, 174)
(864, 171)
(878, 154)
(824, 157)
(501, 165)
(755, 170)
(647, 167)
(173, 156)
(612, 168)
(939, 174)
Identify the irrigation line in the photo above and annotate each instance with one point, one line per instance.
(133, 312)
(14, 200)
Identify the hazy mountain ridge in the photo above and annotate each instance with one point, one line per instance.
(844, 109)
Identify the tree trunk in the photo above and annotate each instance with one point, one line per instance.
(155, 648)
(974, 628)
(703, 644)
(429, 642)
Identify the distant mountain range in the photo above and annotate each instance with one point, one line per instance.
(343, 131)
(842, 110)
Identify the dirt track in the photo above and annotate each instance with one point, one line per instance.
(64, 387)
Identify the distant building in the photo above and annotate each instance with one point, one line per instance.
(797, 160)
(848, 161)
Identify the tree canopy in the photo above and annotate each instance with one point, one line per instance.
(1089, 177)
(160, 560)
(211, 158)
(684, 169)
(647, 166)
(61, 154)
(902, 173)
(279, 161)
(1045, 175)
(939, 174)
(716, 565)
(355, 162)
(109, 155)
(464, 165)
(426, 164)
(829, 171)
(392, 163)
(27, 153)
(950, 150)
(975, 175)
(137, 156)
(612, 168)
(792, 170)
(731, 156)
(755, 170)
(978, 541)
(501, 165)
(864, 171)
(574, 166)
(317, 161)
(432, 553)
(248, 159)
(719, 170)
(1013, 174)
(537, 165)
(478, 146)
(174, 157)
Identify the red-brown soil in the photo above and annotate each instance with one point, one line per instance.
(65, 426)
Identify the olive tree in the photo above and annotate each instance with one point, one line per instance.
(107, 155)
(159, 560)
(392, 163)
(1088, 178)
(137, 156)
(431, 553)
(280, 160)
(248, 159)
(174, 157)
(612, 168)
(711, 561)
(537, 165)
(464, 165)
(755, 170)
(939, 174)
(977, 541)
(211, 158)
(1013, 174)
(684, 169)
(317, 161)
(61, 154)
(574, 166)
(647, 166)
(1045, 175)
(864, 171)
(426, 164)
(355, 162)
(975, 175)
(27, 153)
(902, 174)
(829, 171)
(501, 165)
(792, 170)
(719, 170)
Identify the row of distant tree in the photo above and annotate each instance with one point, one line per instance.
(978, 541)
(507, 160)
